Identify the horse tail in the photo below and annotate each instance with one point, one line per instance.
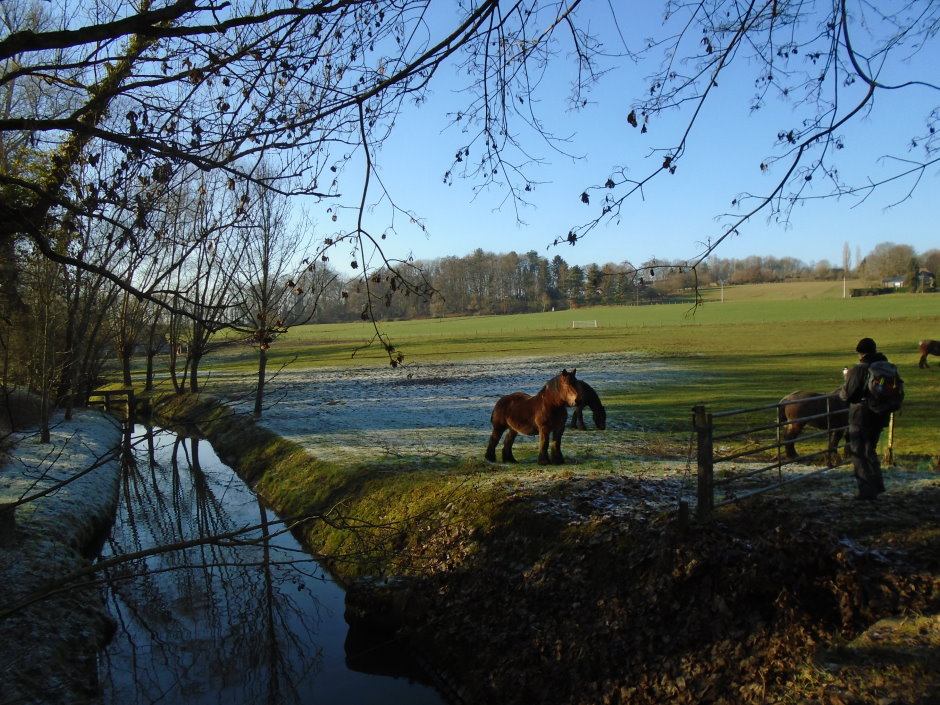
(782, 407)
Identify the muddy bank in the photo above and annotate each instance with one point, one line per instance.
(748, 608)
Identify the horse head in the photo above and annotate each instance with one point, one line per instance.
(567, 387)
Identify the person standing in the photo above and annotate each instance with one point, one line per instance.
(865, 423)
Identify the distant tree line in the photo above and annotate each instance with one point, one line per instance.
(487, 283)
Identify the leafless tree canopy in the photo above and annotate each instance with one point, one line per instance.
(108, 105)
(830, 60)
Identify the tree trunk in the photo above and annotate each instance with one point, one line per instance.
(193, 370)
(44, 435)
(174, 356)
(151, 353)
(126, 351)
(259, 393)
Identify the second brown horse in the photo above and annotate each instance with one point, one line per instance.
(826, 412)
(544, 413)
(925, 348)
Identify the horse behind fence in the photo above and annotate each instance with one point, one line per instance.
(827, 412)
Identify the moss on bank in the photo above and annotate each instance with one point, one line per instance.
(364, 521)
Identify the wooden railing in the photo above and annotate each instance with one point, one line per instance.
(109, 399)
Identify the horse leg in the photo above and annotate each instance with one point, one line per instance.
(544, 437)
(577, 418)
(831, 455)
(557, 457)
(923, 361)
(507, 446)
(789, 436)
(834, 446)
(494, 440)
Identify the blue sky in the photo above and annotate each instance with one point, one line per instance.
(677, 212)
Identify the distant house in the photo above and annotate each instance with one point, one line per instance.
(895, 282)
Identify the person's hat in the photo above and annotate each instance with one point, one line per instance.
(865, 346)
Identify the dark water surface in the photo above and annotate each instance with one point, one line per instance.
(248, 620)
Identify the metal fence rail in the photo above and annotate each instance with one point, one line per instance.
(763, 443)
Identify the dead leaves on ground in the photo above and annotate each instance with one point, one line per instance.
(732, 611)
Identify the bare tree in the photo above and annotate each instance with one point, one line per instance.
(225, 85)
(272, 280)
(888, 259)
(207, 284)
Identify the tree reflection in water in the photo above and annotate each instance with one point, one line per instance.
(251, 622)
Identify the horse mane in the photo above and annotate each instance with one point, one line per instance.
(552, 384)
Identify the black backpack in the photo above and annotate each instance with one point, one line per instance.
(884, 390)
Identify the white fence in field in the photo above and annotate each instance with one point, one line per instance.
(584, 324)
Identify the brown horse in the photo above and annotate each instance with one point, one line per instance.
(824, 411)
(588, 397)
(925, 348)
(544, 414)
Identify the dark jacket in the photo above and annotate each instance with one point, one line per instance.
(853, 391)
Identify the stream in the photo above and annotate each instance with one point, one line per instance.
(249, 620)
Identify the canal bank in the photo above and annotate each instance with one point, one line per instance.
(53, 620)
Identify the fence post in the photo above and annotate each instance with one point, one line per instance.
(131, 406)
(702, 422)
(889, 453)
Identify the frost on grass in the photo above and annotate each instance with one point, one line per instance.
(431, 413)
(353, 415)
(47, 647)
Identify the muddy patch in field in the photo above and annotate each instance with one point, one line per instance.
(434, 409)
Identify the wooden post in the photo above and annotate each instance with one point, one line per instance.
(889, 453)
(131, 406)
(702, 423)
(682, 520)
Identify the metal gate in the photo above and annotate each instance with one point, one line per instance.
(746, 437)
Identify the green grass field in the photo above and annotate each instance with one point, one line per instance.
(757, 344)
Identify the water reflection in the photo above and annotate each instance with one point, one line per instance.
(247, 619)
